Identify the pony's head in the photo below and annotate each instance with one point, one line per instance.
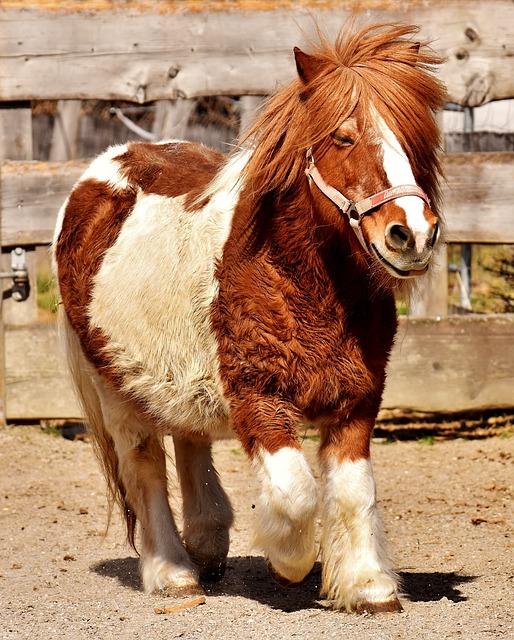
(359, 122)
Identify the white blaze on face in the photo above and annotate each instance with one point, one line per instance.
(399, 172)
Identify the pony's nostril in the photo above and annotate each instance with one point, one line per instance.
(398, 236)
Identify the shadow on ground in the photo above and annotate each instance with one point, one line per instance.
(470, 426)
(431, 587)
(248, 577)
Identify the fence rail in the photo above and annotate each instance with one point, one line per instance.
(228, 48)
(478, 197)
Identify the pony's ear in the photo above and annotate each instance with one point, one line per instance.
(306, 65)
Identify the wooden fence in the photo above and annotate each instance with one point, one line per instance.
(153, 51)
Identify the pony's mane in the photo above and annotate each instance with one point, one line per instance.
(380, 67)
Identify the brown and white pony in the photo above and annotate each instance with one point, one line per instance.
(207, 297)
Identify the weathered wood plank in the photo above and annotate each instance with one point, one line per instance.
(447, 365)
(31, 195)
(15, 130)
(37, 383)
(479, 195)
(478, 198)
(457, 363)
(144, 55)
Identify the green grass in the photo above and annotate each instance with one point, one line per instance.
(314, 439)
(51, 430)
(487, 288)
(47, 298)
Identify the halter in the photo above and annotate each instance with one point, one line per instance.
(357, 210)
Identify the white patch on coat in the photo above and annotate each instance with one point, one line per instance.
(166, 564)
(286, 512)
(356, 566)
(104, 169)
(399, 172)
(57, 233)
(152, 298)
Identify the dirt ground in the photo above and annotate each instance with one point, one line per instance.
(445, 494)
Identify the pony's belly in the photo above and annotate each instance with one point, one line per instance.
(179, 402)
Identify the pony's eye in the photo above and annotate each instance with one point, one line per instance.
(342, 141)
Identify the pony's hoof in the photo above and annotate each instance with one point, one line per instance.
(285, 583)
(373, 608)
(213, 572)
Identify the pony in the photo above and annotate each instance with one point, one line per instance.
(206, 297)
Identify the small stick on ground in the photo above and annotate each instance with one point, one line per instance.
(180, 607)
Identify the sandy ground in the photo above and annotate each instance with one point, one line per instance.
(447, 506)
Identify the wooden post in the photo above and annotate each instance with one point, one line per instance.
(15, 131)
(65, 133)
(15, 144)
(249, 107)
(434, 299)
(172, 118)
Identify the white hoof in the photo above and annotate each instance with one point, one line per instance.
(374, 592)
(160, 576)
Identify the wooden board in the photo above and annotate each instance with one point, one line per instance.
(37, 383)
(15, 130)
(479, 196)
(152, 51)
(452, 364)
(447, 365)
(31, 194)
(478, 199)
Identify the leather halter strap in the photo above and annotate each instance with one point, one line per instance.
(357, 210)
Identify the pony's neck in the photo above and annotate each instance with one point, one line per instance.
(287, 232)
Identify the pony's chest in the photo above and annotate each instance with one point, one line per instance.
(296, 342)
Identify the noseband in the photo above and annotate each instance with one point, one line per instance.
(357, 210)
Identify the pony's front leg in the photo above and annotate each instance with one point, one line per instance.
(357, 574)
(206, 508)
(286, 508)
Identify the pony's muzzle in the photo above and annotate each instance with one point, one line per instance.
(405, 252)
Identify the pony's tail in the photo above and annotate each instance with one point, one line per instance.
(103, 444)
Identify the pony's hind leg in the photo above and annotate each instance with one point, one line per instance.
(357, 574)
(286, 509)
(207, 512)
(141, 487)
